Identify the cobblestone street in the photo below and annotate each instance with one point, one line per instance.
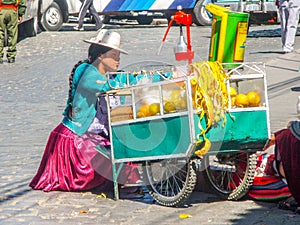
(33, 94)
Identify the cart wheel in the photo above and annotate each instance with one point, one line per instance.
(171, 181)
(230, 174)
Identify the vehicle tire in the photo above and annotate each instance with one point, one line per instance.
(200, 15)
(230, 174)
(144, 20)
(28, 28)
(52, 18)
(171, 181)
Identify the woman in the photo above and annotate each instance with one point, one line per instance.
(287, 156)
(70, 161)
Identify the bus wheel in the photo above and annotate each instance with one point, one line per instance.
(200, 15)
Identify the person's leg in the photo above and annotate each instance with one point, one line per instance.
(82, 13)
(291, 26)
(289, 203)
(12, 35)
(283, 21)
(95, 15)
(287, 158)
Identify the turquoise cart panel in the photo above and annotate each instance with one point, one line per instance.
(168, 136)
(243, 130)
(159, 137)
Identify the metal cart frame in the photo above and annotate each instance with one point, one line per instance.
(236, 139)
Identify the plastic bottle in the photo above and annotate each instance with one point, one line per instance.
(181, 45)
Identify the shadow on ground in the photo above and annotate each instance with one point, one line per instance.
(267, 33)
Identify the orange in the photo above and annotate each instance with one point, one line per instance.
(253, 98)
(175, 95)
(154, 108)
(169, 107)
(232, 91)
(233, 100)
(241, 100)
(182, 104)
(140, 115)
(143, 111)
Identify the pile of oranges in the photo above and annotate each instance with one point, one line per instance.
(148, 110)
(173, 103)
(251, 99)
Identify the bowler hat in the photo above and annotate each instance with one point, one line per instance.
(107, 38)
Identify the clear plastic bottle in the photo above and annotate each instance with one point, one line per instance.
(181, 45)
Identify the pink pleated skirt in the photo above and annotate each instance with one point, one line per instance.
(71, 163)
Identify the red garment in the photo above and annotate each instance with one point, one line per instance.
(9, 6)
(269, 170)
(268, 188)
(71, 163)
(288, 146)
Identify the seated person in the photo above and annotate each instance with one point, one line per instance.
(287, 157)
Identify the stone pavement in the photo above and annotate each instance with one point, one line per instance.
(283, 77)
(33, 92)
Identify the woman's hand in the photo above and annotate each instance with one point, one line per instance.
(268, 144)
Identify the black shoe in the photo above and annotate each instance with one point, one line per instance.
(288, 205)
(11, 60)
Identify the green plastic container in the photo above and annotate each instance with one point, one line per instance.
(228, 43)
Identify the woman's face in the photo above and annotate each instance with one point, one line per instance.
(110, 60)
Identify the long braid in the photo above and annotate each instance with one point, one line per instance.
(93, 53)
(71, 84)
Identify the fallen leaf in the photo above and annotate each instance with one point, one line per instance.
(101, 195)
(184, 216)
(83, 211)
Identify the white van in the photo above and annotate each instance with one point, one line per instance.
(34, 12)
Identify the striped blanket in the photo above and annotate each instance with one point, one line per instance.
(268, 186)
